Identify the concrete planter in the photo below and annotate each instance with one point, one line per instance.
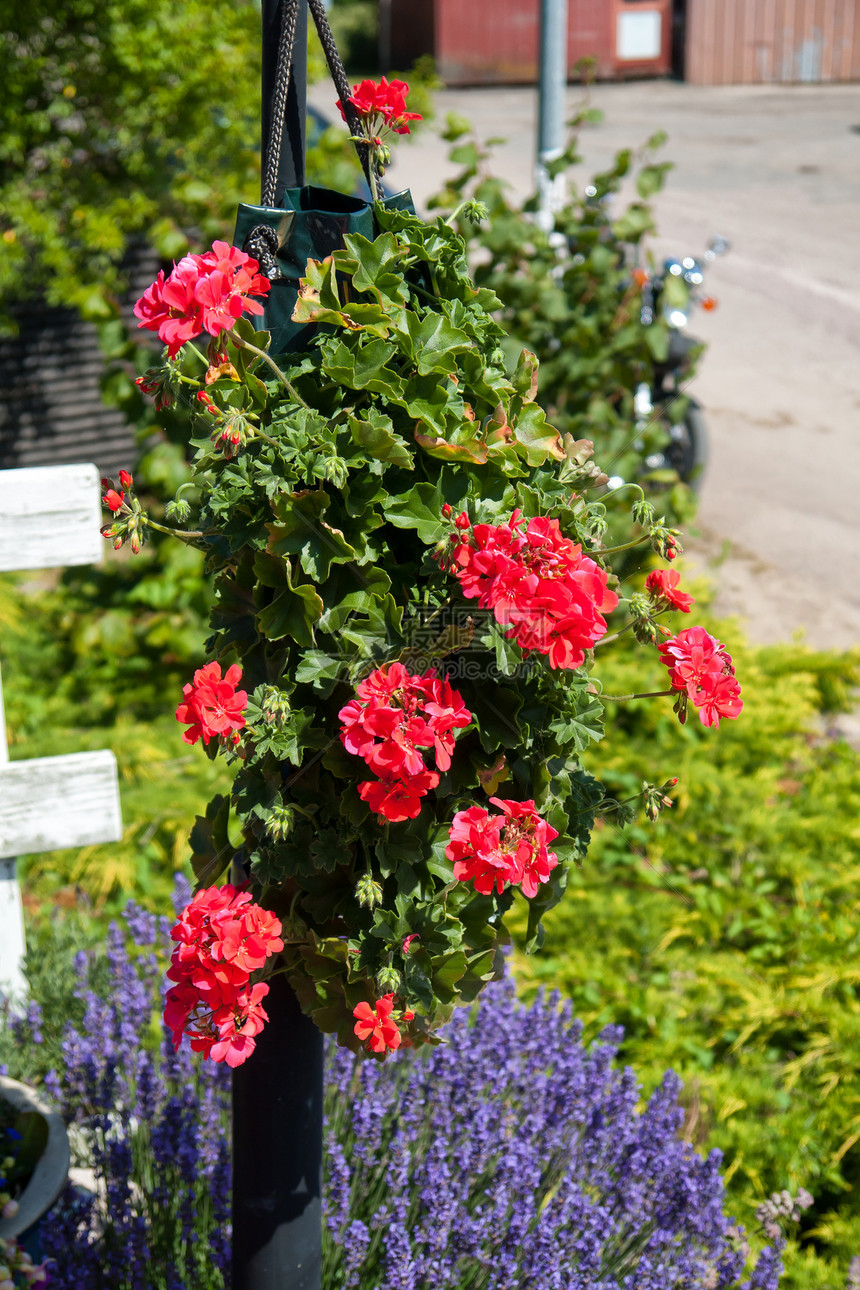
(52, 1170)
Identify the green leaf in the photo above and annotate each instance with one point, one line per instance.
(210, 842)
(376, 266)
(294, 610)
(364, 367)
(436, 343)
(375, 434)
(419, 509)
(302, 531)
(581, 728)
(539, 439)
(350, 592)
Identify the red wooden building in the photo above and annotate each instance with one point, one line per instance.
(748, 42)
(493, 42)
(707, 42)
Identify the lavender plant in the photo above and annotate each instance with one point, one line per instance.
(149, 1123)
(510, 1156)
(514, 1156)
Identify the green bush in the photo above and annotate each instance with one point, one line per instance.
(725, 937)
(571, 297)
(84, 669)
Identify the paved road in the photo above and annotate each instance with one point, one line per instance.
(776, 170)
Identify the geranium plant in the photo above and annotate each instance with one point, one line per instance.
(411, 581)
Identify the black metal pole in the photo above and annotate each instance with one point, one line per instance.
(278, 1092)
(277, 1153)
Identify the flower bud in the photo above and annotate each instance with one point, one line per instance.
(446, 511)
(336, 471)
(293, 928)
(388, 980)
(275, 706)
(10, 1209)
(368, 893)
(126, 479)
(178, 510)
(462, 521)
(280, 822)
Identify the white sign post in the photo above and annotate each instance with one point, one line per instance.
(49, 519)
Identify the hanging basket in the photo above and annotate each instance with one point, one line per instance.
(311, 224)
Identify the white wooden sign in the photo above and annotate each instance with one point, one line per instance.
(49, 518)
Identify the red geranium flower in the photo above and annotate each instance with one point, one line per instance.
(113, 500)
(203, 293)
(663, 585)
(375, 1027)
(237, 1029)
(213, 707)
(222, 936)
(495, 850)
(722, 699)
(537, 583)
(702, 669)
(381, 104)
(397, 799)
(394, 717)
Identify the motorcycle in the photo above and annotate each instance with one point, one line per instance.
(672, 295)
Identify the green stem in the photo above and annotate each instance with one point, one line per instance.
(614, 550)
(261, 434)
(607, 640)
(649, 694)
(203, 359)
(192, 534)
(620, 489)
(261, 353)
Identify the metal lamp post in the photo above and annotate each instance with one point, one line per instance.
(277, 1097)
(551, 95)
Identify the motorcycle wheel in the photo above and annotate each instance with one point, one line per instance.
(687, 449)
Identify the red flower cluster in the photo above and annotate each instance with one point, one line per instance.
(701, 668)
(494, 850)
(213, 707)
(222, 938)
(663, 585)
(536, 582)
(376, 1026)
(203, 293)
(382, 104)
(392, 718)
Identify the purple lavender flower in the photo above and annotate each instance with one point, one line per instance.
(514, 1158)
(153, 1127)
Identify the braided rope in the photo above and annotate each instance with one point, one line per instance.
(338, 75)
(289, 20)
(262, 241)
